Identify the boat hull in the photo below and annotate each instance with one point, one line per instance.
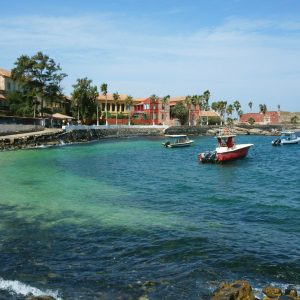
(239, 152)
(222, 154)
(286, 142)
(178, 145)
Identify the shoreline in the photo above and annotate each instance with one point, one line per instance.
(59, 137)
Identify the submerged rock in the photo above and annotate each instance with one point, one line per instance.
(40, 298)
(237, 290)
(291, 291)
(272, 291)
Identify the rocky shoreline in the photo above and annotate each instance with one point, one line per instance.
(60, 137)
(237, 290)
(241, 290)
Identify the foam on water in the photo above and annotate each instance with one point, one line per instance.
(17, 287)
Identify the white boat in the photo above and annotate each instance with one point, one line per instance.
(177, 140)
(286, 137)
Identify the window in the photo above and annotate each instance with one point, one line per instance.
(113, 107)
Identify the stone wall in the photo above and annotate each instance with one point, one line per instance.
(75, 136)
(86, 135)
(6, 129)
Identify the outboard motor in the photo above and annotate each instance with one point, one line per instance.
(276, 142)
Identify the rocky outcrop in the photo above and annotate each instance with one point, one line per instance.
(241, 290)
(237, 129)
(238, 290)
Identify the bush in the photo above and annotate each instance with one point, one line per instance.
(251, 121)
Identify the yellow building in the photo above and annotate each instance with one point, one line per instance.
(113, 108)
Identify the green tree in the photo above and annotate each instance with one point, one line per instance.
(164, 102)
(263, 108)
(84, 97)
(206, 96)
(229, 110)
(180, 112)
(294, 120)
(229, 121)
(153, 99)
(20, 104)
(215, 106)
(237, 106)
(104, 92)
(188, 102)
(222, 110)
(251, 121)
(39, 76)
(129, 103)
(250, 105)
(116, 100)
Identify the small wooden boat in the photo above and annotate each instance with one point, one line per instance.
(286, 138)
(177, 140)
(226, 149)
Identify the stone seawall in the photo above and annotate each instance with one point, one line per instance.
(61, 137)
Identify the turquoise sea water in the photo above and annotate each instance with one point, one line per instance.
(127, 218)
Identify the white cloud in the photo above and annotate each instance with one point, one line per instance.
(242, 59)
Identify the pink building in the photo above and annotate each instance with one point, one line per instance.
(270, 117)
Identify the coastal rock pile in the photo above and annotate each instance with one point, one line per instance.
(241, 290)
(238, 290)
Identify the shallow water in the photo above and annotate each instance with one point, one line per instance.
(126, 218)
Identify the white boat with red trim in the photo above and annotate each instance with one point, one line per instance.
(226, 149)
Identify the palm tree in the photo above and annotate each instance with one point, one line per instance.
(229, 110)
(116, 99)
(104, 92)
(164, 102)
(237, 106)
(153, 99)
(128, 103)
(222, 108)
(250, 105)
(188, 101)
(263, 108)
(206, 96)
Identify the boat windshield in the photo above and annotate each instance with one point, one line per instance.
(288, 135)
(181, 140)
(226, 141)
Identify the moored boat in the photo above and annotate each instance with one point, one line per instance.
(226, 149)
(178, 140)
(286, 138)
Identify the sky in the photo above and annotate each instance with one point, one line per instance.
(245, 50)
